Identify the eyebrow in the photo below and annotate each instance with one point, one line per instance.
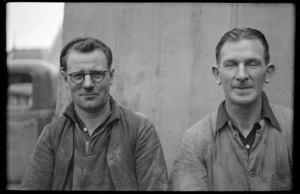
(230, 60)
(78, 72)
(91, 71)
(246, 61)
(253, 60)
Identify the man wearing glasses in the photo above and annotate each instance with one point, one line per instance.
(96, 144)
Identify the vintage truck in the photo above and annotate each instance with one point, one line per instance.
(31, 99)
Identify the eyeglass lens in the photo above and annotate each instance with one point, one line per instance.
(79, 77)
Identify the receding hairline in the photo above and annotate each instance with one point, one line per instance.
(229, 42)
(78, 51)
(85, 45)
(237, 34)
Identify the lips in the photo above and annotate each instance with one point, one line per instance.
(242, 88)
(89, 94)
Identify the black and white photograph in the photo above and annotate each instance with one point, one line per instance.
(150, 96)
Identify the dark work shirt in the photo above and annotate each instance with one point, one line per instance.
(90, 171)
(248, 141)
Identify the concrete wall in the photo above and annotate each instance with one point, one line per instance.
(163, 55)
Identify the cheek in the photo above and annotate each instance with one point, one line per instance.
(74, 90)
(104, 86)
(259, 78)
(103, 89)
(225, 79)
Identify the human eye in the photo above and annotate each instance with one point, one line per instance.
(97, 74)
(253, 63)
(77, 76)
(229, 64)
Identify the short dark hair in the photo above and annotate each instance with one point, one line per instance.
(85, 45)
(238, 34)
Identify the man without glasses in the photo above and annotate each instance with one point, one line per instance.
(246, 144)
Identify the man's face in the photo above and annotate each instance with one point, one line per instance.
(242, 71)
(89, 96)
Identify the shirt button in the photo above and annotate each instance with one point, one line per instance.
(247, 146)
(84, 129)
(251, 174)
(235, 135)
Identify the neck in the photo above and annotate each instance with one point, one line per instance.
(244, 116)
(93, 119)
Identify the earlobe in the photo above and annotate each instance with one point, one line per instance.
(269, 73)
(215, 71)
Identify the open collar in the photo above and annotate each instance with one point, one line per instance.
(267, 113)
(71, 113)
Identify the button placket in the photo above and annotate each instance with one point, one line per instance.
(236, 136)
(258, 137)
(259, 133)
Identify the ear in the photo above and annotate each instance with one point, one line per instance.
(215, 71)
(269, 73)
(65, 78)
(111, 73)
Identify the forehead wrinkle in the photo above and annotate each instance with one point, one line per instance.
(83, 60)
(242, 57)
(242, 49)
(86, 57)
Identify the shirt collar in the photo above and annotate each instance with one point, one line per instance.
(115, 115)
(267, 114)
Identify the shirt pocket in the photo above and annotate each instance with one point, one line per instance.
(281, 181)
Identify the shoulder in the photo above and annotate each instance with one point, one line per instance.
(136, 124)
(282, 111)
(54, 129)
(133, 117)
(198, 139)
(284, 116)
(205, 126)
(203, 130)
(131, 113)
(56, 124)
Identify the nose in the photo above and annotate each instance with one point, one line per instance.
(242, 73)
(87, 82)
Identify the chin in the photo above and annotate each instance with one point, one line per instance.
(90, 105)
(243, 100)
(94, 105)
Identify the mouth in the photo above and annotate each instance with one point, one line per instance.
(242, 88)
(89, 94)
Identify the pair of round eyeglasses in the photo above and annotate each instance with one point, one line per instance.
(78, 77)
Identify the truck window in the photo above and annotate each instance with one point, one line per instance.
(20, 91)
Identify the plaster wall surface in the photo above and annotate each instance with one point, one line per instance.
(163, 54)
